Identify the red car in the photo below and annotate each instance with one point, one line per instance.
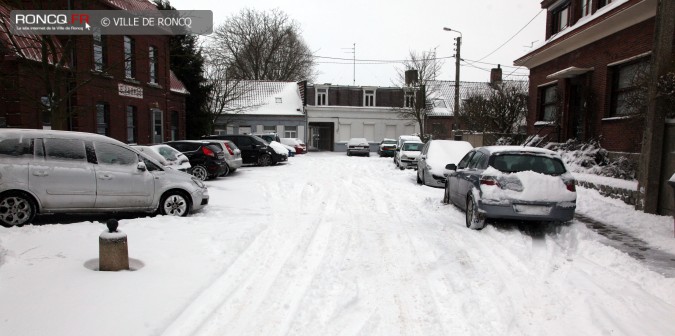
(300, 147)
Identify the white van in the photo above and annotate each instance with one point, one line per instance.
(404, 138)
(46, 171)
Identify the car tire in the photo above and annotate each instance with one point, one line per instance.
(175, 203)
(473, 219)
(227, 171)
(349, 154)
(200, 172)
(264, 160)
(424, 180)
(419, 180)
(16, 209)
(446, 194)
(368, 155)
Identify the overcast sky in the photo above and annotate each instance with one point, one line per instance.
(388, 30)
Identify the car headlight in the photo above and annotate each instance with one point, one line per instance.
(198, 182)
(404, 157)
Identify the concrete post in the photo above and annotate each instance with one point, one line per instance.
(113, 252)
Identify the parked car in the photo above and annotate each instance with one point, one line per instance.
(269, 137)
(299, 149)
(435, 155)
(207, 159)
(166, 155)
(281, 151)
(359, 146)
(508, 182)
(45, 171)
(291, 150)
(406, 156)
(254, 149)
(302, 145)
(232, 155)
(387, 147)
(404, 138)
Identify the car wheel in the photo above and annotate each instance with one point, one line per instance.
(174, 203)
(16, 209)
(200, 173)
(473, 218)
(419, 180)
(368, 155)
(349, 154)
(264, 160)
(446, 194)
(424, 180)
(227, 171)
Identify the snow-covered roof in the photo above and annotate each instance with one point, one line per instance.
(270, 98)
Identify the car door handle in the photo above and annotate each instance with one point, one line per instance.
(105, 177)
(40, 173)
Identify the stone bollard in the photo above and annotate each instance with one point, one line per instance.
(113, 253)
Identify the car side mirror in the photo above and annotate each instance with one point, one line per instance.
(141, 166)
(451, 166)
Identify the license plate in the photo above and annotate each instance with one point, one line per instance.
(532, 209)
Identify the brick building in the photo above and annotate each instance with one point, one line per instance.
(124, 87)
(582, 74)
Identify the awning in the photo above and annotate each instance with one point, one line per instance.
(569, 73)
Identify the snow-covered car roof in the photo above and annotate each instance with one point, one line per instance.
(521, 149)
(357, 141)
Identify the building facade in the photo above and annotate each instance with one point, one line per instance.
(123, 85)
(337, 113)
(266, 107)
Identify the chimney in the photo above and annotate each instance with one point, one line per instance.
(496, 76)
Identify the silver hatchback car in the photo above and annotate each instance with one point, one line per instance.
(45, 171)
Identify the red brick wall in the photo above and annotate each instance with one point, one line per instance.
(616, 135)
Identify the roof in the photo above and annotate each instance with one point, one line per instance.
(132, 4)
(175, 85)
(269, 98)
(28, 45)
(444, 91)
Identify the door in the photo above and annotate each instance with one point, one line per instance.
(456, 195)
(119, 182)
(157, 126)
(61, 176)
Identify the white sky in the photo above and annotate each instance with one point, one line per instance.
(387, 30)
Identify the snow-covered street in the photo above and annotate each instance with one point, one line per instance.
(333, 245)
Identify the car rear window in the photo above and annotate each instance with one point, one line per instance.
(511, 163)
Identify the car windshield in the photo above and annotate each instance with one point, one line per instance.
(389, 142)
(511, 163)
(412, 147)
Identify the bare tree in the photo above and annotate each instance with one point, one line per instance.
(228, 94)
(419, 93)
(259, 45)
(501, 108)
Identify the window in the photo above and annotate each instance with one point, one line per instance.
(465, 160)
(65, 149)
(152, 56)
(99, 50)
(549, 103)
(129, 57)
(561, 17)
(586, 7)
(174, 125)
(369, 98)
(269, 129)
(131, 124)
(158, 126)
(409, 99)
(476, 160)
(321, 97)
(46, 111)
(603, 3)
(290, 132)
(102, 119)
(626, 88)
(110, 154)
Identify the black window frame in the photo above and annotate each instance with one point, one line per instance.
(102, 110)
(545, 104)
(129, 57)
(618, 92)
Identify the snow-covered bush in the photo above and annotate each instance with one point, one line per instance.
(589, 157)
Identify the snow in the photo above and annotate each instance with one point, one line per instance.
(443, 152)
(278, 148)
(534, 187)
(328, 245)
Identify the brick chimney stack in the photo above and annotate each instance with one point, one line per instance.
(496, 76)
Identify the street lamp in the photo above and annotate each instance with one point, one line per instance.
(457, 58)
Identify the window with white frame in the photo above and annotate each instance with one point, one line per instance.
(290, 132)
(152, 57)
(129, 57)
(368, 97)
(586, 7)
(321, 96)
(269, 129)
(409, 99)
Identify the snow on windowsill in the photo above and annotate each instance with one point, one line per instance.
(544, 123)
(618, 118)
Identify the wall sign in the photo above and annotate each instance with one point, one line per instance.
(130, 91)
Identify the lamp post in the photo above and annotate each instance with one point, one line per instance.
(457, 58)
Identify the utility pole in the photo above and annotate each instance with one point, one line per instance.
(652, 144)
(458, 46)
